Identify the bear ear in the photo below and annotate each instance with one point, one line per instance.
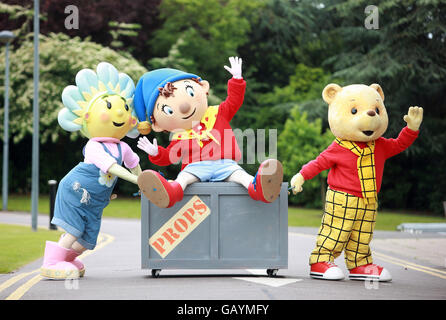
(378, 88)
(330, 92)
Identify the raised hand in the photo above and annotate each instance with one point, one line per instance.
(414, 117)
(236, 67)
(296, 183)
(145, 145)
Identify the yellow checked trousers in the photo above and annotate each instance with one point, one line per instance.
(347, 225)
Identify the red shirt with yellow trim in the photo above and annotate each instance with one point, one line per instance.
(225, 147)
(343, 175)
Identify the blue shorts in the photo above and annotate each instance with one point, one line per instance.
(82, 220)
(212, 170)
(84, 228)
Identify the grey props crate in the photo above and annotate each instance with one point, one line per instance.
(238, 233)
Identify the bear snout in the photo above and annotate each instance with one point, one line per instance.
(371, 113)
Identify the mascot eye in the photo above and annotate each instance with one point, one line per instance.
(377, 110)
(167, 110)
(126, 107)
(109, 105)
(190, 90)
(354, 110)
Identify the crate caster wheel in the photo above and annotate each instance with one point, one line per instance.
(271, 272)
(156, 273)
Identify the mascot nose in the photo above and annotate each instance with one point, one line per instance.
(371, 113)
(184, 107)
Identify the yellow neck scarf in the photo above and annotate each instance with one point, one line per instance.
(208, 120)
(366, 168)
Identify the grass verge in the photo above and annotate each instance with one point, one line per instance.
(131, 208)
(386, 220)
(20, 245)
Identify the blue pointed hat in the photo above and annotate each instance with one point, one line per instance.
(147, 92)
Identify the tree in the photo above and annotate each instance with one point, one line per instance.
(94, 18)
(279, 29)
(205, 32)
(304, 88)
(300, 142)
(282, 60)
(61, 57)
(407, 57)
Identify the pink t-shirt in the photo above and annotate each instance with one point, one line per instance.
(95, 153)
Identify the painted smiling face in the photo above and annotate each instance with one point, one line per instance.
(356, 112)
(109, 116)
(182, 107)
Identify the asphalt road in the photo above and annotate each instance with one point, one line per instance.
(416, 262)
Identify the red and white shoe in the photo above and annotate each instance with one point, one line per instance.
(267, 181)
(370, 272)
(326, 271)
(158, 190)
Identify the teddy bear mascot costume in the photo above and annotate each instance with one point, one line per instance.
(201, 137)
(100, 107)
(358, 119)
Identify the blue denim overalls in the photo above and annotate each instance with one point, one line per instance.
(81, 197)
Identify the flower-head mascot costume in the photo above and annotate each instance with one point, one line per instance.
(201, 137)
(358, 119)
(100, 106)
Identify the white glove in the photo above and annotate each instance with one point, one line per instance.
(150, 148)
(236, 67)
(413, 118)
(296, 183)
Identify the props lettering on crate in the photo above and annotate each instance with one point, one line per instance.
(358, 119)
(174, 231)
(175, 101)
(100, 106)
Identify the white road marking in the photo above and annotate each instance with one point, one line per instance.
(261, 278)
(272, 282)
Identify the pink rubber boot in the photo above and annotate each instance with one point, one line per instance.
(72, 257)
(55, 263)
